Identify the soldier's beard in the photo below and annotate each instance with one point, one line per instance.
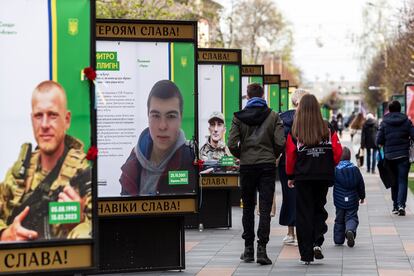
(48, 148)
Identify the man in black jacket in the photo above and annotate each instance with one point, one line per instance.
(256, 138)
(394, 134)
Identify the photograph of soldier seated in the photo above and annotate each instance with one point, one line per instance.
(56, 170)
(161, 150)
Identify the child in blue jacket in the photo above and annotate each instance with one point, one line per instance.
(349, 191)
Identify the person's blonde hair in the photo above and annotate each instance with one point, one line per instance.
(308, 126)
(297, 95)
(357, 122)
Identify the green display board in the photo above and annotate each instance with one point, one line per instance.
(401, 99)
(73, 37)
(272, 91)
(47, 120)
(250, 74)
(326, 112)
(219, 87)
(231, 93)
(124, 114)
(284, 95)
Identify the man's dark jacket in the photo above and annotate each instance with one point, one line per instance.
(369, 134)
(394, 133)
(287, 118)
(256, 136)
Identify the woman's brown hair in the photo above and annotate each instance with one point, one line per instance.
(309, 127)
(358, 122)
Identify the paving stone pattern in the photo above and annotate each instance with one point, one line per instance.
(384, 244)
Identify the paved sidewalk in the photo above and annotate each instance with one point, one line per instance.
(384, 244)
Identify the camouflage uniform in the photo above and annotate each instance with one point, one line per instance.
(14, 191)
(208, 152)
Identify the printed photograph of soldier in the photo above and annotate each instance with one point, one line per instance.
(55, 171)
(162, 152)
(215, 148)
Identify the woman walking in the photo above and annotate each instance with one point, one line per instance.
(287, 215)
(312, 152)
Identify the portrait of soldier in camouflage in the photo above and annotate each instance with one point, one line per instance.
(215, 148)
(55, 171)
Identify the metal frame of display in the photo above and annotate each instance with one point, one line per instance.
(172, 255)
(284, 84)
(215, 202)
(38, 245)
(250, 70)
(269, 79)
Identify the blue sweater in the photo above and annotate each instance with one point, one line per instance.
(349, 186)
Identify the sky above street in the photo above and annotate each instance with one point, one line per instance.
(326, 36)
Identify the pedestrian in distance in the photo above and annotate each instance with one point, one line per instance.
(349, 191)
(256, 138)
(350, 119)
(312, 152)
(368, 136)
(394, 135)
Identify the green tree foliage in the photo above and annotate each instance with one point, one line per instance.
(142, 9)
(392, 64)
(256, 26)
(375, 77)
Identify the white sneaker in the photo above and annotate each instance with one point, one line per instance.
(288, 239)
(304, 263)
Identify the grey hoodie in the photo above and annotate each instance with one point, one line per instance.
(151, 173)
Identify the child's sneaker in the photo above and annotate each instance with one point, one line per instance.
(350, 238)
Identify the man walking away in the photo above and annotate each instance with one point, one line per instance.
(394, 134)
(256, 138)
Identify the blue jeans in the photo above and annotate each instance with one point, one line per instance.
(371, 166)
(345, 220)
(401, 167)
